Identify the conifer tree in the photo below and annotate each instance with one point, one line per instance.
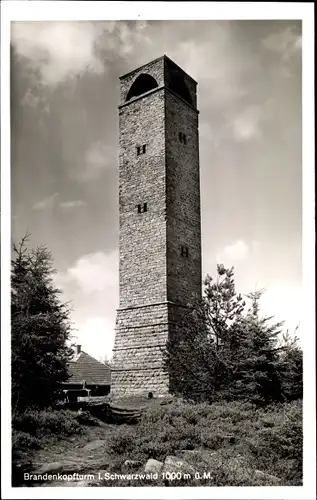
(256, 375)
(40, 329)
(290, 367)
(221, 350)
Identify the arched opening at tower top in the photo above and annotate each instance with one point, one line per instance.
(142, 84)
(178, 85)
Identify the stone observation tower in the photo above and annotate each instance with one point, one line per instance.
(159, 218)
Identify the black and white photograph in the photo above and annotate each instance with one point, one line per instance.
(160, 320)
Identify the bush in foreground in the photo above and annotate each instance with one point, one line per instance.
(31, 429)
(233, 441)
(47, 422)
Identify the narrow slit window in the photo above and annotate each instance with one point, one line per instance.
(139, 207)
(184, 252)
(138, 150)
(144, 148)
(144, 207)
(182, 138)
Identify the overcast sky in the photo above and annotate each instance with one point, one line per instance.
(65, 92)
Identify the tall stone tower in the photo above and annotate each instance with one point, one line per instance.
(159, 218)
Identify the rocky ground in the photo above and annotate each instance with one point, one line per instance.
(107, 453)
(88, 463)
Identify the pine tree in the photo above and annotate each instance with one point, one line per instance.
(40, 329)
(256, 373)
(222, 351)
(200, 354)
(290, 366)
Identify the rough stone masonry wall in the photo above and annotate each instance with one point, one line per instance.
(140, 342)
(142, 239)
(183, 201)
(141, 335)
(141, 332)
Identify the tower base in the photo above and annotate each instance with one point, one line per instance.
(126, 382)
(138, 354)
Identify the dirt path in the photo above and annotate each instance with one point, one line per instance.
(85, 454)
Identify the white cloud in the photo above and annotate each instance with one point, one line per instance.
(221, 78)
(62, 50)
(97, 159)
(246, 125)
(97, 272)
(45, 203)
(59, 50)
(124, 38)
(64, 205)
(239, 250)
(35, 98)
(67, 205)
(287, 43)
(30, 99)
(223, 83)
(91, 285)
(96, 336)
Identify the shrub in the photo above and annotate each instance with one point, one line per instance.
(42, 423)
(156, 448)
(122, 441)
(278, 444)
(191, 414)
(232, 441)
(211, 440)
(24, 440)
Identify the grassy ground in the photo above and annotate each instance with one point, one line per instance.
(227, 442)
